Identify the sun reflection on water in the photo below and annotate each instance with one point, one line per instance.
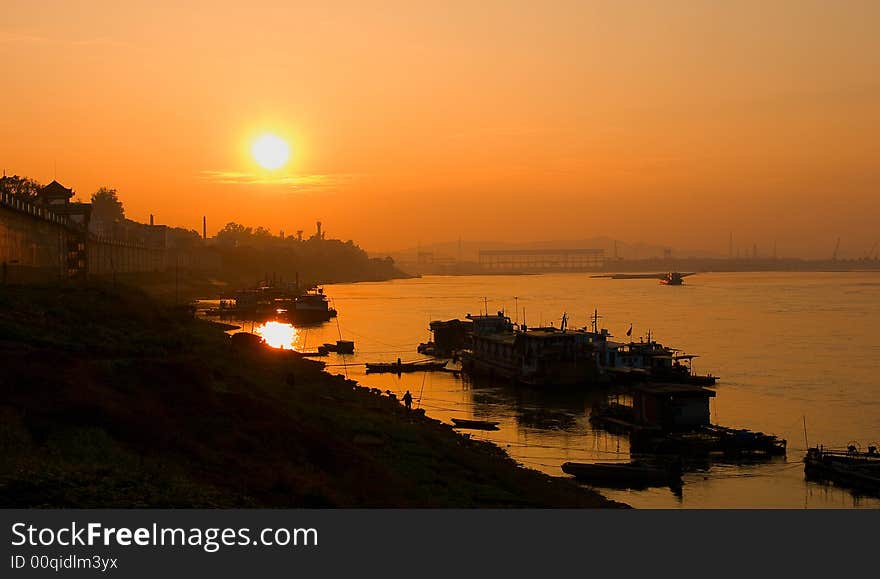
(277, 334)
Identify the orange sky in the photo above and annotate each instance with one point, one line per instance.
(668, 122)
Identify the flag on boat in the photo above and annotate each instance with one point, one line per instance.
(629, 332)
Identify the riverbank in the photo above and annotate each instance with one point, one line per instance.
(110, 398)
(185, 286)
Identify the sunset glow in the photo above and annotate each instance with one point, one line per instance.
(667, 123)
(277, 335)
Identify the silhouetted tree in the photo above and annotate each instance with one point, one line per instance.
(249, 253)
(234, 234)
(183, 238)
(21, 187)
(106, 206)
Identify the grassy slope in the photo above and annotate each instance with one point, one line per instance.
(110, 399)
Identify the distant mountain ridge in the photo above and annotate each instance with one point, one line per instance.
(467, 250)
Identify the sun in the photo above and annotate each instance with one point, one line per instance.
(270, 151)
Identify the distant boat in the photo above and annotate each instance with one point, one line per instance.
(402, 367)
(672, 278)
(624, 474)
(475, 424)
(668, 278)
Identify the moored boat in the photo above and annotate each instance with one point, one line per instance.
(634, 473)
(563, 356)
(402, 367)
(849, 468)
(288, 302)
(475, 424)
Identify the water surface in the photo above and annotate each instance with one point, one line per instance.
(789, 348)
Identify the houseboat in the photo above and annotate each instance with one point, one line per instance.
(545, 356)
(310, 307)
(650, 361)
(563, 356)
(447, 338)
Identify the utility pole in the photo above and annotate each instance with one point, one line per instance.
(176, 278)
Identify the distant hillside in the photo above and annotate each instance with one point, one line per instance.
(467, 250)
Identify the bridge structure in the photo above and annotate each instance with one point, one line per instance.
(542, 260)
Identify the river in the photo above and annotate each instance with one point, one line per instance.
(790, 349)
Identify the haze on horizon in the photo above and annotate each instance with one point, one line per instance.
(672, 123)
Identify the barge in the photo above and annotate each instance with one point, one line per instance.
(850, 468)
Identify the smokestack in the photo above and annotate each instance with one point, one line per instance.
(151, 219)
(204, 227)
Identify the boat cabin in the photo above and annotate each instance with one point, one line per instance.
(645, 355)
(497, 324)
(451, 335)
(671, 406)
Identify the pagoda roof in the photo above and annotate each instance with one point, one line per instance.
(56, 190)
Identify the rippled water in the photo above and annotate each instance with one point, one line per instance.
(789, 347)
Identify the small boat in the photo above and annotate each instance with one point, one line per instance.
(401, 367)
(633, 473)
(344, 346)
(475, 424)
(320, 352)
(340, 347)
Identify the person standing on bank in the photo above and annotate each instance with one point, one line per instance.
(407, 400)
